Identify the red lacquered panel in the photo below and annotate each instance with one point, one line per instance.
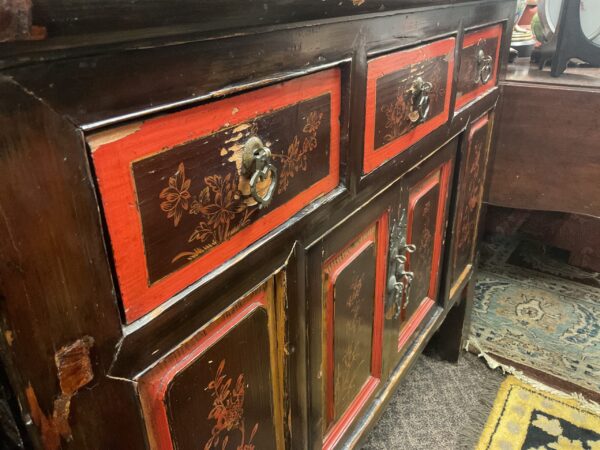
(479, 48)
(354, 281)
(217, 389)
(425, 230)
(177, 199)
(468, 203)
(392, 122)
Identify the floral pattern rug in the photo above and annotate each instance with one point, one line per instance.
(527, 418)
(544, 319)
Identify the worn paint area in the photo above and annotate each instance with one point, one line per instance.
(74, 369)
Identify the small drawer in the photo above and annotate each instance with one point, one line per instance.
(478, 64)
(408, 96)
(185, 192)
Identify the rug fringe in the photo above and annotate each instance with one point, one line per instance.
(493, 364)
(475, 420)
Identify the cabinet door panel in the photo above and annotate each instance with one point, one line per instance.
(220, 389)
(350, 311)
(349, 270)
(426, 215)
(468, 203)
(415, 253)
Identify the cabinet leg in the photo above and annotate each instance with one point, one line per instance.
(449, 339)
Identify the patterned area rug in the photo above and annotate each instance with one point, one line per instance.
(525, 418)
(533, 309)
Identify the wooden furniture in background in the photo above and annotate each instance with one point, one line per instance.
(546, 155)
(547, 144)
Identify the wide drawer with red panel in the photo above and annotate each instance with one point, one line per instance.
(178, 190)
(478, 64)
(408, 96)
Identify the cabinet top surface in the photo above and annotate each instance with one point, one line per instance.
(105, 77)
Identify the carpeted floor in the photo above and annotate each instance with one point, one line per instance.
(434, 406)
(533, 312)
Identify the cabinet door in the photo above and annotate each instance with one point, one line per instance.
(346, 283)
(415, 252)
(471, 178)
(222, 388)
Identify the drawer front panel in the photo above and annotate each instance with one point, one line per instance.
(478, 64)
(408, 96)
(353, 282)
(218, 390)
(177, 188)
(468, 203)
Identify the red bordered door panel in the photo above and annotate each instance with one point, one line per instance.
(221, 388)
(183, 193)
(350, 290)
(416, 242)
(471, 179)
(478, 71)
(408, 96)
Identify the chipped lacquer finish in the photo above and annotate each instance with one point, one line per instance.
(220, 389)
(471, 180)
(174, 194)
(392, 123)
(472, 80)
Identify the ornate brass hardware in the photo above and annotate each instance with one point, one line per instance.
(399, 280)
(421, 101)
(484, 67)
(257, 165)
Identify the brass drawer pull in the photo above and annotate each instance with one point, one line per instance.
(484, 67)
(421, 100)
(257, 165)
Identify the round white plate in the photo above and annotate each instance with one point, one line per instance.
(549, 10)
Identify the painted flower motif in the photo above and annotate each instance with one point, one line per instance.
(296, 158)
(176, 196)
(224, 203)
(228, 411)
(346, 372)
(396, 114)
(223, 212)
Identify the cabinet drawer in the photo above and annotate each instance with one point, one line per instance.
(185, 192)
(221, 386)
(478, 64)
(408, 96)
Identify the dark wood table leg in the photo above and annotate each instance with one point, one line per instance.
(448, 342)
